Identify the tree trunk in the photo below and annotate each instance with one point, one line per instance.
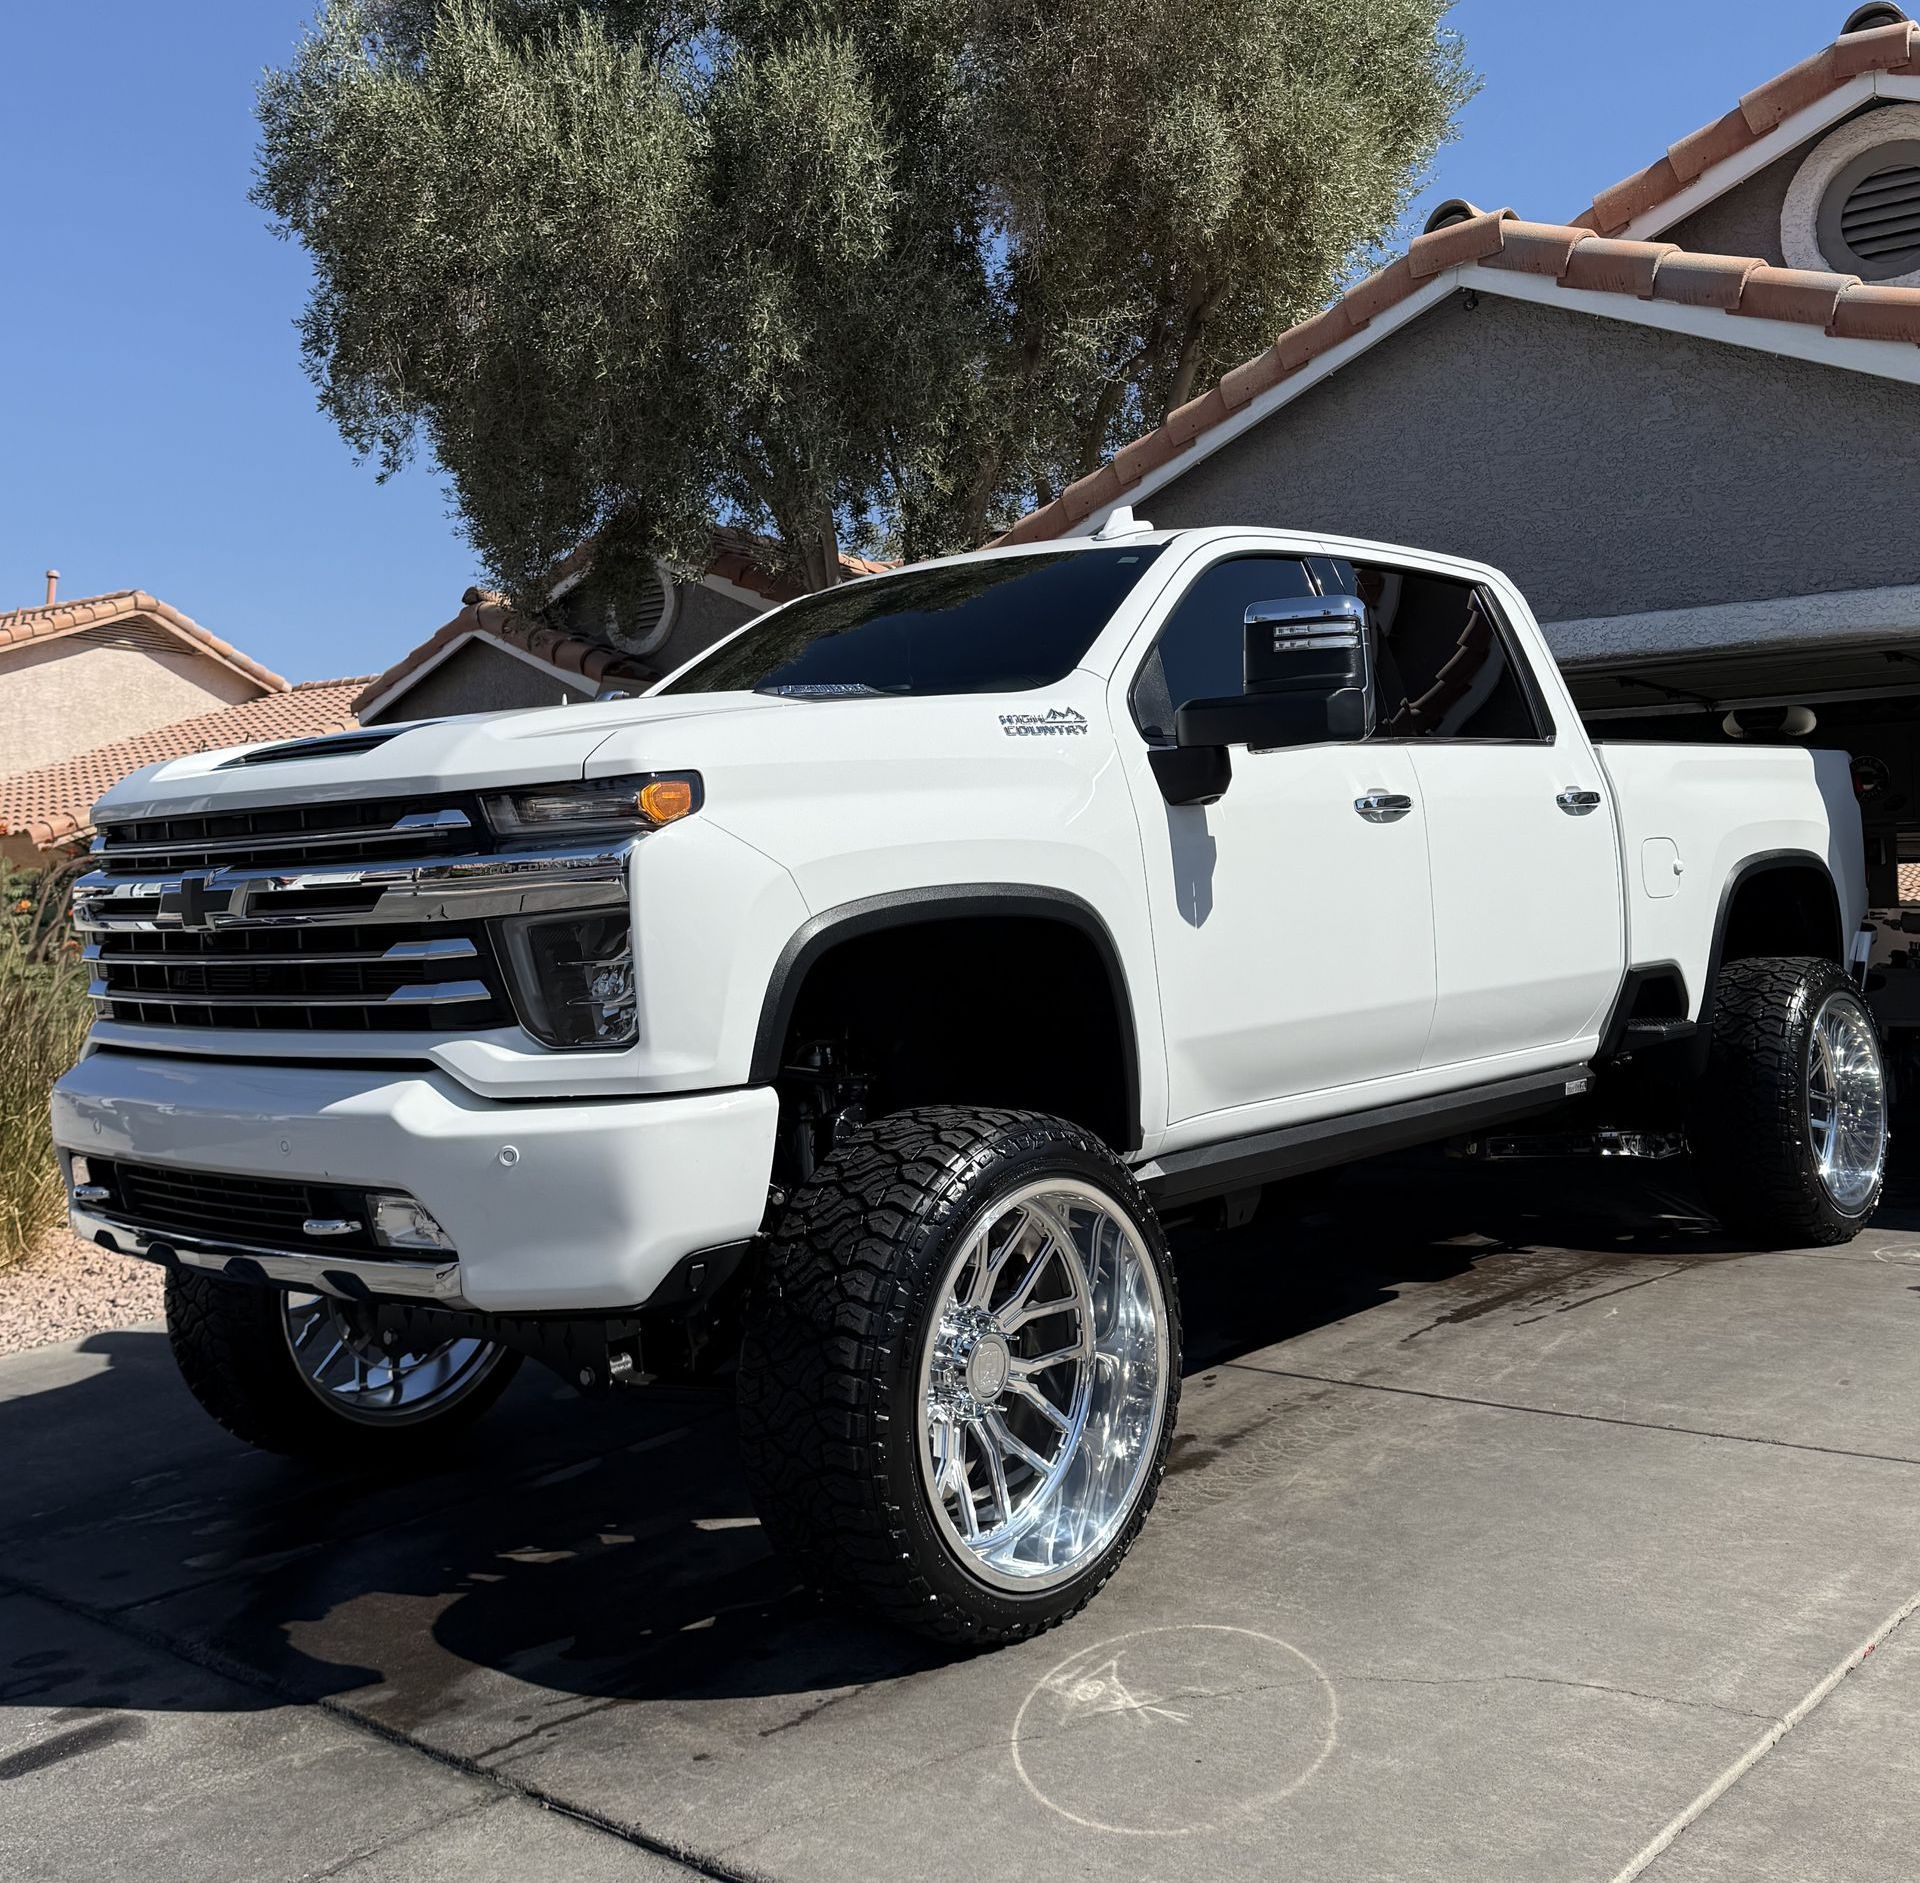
(1092, 456)
(812, 539)
(1187, 363)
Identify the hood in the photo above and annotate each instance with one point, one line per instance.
(530, 746)
(907, 743)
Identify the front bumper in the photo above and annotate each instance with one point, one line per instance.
(566, 1206)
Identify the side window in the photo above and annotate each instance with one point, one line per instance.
(1442, 666)
(1201, 652)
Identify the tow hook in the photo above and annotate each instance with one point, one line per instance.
(619, 1366)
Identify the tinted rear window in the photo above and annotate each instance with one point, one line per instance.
(999, 626)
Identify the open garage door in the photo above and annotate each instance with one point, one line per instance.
(1863, 698)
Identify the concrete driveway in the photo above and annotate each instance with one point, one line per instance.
(1518, 1528)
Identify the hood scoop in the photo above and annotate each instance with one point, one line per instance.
(328, 745)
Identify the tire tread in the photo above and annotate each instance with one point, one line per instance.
(833, 1307)
(1749, 1131)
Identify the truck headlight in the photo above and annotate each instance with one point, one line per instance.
(573, 978)
(635, 801)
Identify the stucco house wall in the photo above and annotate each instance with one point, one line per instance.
(482, 676)
(1746, 220)
(479, 677)
(68, 695)
(1608, 468)
(701, 616)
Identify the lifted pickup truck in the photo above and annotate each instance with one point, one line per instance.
(856, 1005)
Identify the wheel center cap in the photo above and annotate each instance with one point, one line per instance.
(971, 1362)
(987, 1367)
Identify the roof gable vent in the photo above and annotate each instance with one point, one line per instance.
(1880, 214)
(638, 624)
(136, 635)
(1853, 206)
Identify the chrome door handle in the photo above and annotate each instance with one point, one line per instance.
(1577, 803)
(1382, 807)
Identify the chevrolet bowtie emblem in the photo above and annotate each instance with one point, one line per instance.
(194, 902)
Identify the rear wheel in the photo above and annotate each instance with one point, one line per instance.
(1789, 1126)
(961, 1370)
(311, 1375)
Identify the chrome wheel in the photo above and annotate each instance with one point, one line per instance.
(348, 1365)
(1043, 1384)
(1846, 1102)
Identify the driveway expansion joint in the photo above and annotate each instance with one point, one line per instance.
(199, 1654)
(1682, 1821)
(1585, 1418)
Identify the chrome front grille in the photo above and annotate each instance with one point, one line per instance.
(339, 918)
(353, 977)
(286, 835)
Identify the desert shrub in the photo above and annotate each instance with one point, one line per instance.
(43, 1018)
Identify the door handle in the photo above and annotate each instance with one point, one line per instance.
(1577, 803)
(1383, 807)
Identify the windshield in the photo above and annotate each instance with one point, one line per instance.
(997, 626)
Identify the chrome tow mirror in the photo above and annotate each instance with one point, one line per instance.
(1308, 668)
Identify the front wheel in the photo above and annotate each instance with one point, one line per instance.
(961, 1370)
(316, 1377)
(1789, 1127)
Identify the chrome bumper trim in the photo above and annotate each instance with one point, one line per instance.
(350, 1278)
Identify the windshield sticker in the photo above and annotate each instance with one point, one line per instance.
(1054, 722)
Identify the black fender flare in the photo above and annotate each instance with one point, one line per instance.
(948, 902)
(1765, 863)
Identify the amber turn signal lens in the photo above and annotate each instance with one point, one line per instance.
(666, 800)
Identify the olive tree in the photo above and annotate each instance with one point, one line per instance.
(880, 271)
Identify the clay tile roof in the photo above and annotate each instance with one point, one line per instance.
(493, 616)
(746, 561)
(1572, 256)
(54, 804)
(18, 626)
(1891, 48)
(1877, 311)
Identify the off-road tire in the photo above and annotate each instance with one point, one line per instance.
(828, 1385)
(1748, 1121)
(229, 1343)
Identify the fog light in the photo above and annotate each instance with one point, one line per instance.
(401, 1223)
(85, 1190)
(573, 979)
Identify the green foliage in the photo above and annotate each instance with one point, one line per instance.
(43, 1018)
(880, 269)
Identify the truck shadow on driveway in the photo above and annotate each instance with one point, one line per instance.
(607, 1553)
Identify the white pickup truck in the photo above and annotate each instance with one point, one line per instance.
(855, 1006)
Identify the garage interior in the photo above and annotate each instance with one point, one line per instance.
(1860, 696)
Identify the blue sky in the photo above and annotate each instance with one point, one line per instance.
(156, 430)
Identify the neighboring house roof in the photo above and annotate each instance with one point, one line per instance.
(1498, 252)
(130, 607)
(53, 804)
(741, 559)
(483, 613)
(748, 562)
(1893, 48)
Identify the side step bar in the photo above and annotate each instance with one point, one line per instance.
(1211, 1170)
